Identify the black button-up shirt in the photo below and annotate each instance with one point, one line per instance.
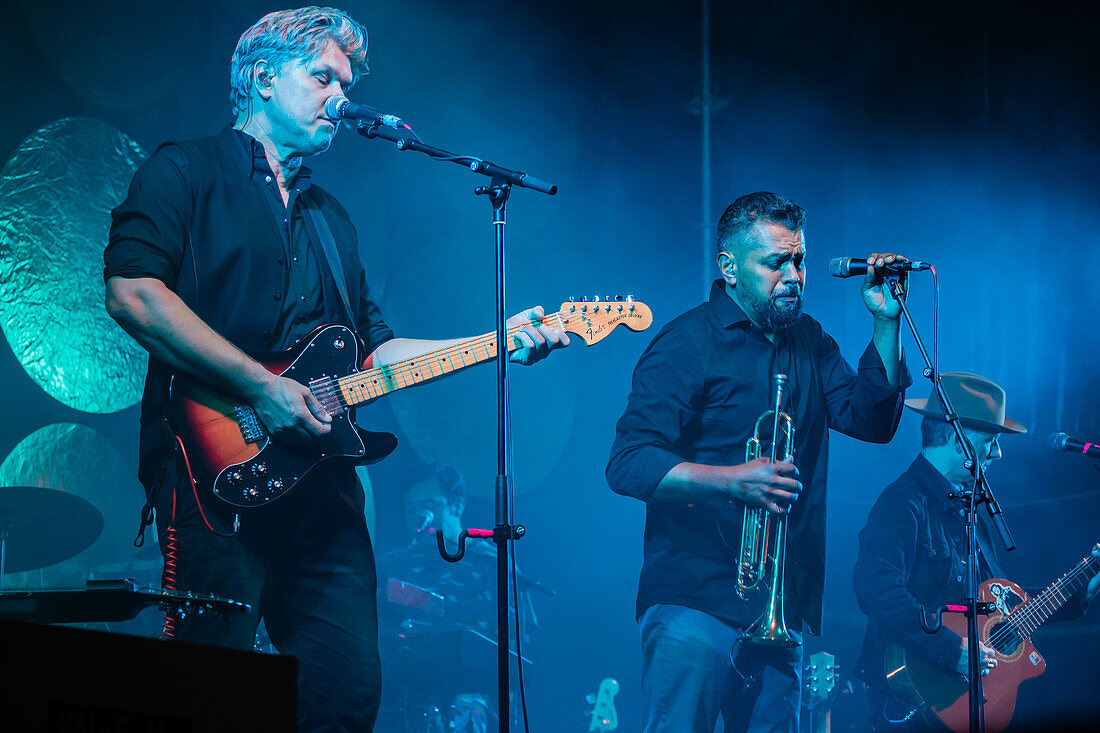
(206, 217)
(303, 303)
(697, 392)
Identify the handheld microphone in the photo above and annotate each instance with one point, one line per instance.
(853, 266)
(1064, 442)
(340, 107)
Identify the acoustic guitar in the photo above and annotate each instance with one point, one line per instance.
(943, 693)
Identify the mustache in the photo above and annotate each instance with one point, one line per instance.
(788, 293)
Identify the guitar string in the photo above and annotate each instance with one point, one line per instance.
(1051, 598)
(408, 369)
(1034, 608)
(1020, 621)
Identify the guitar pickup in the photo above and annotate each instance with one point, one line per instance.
(249, 422)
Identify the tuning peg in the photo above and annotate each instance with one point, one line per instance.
(595, 299)
(618, 297)
(570, 299)
(629, 298)
(584, 298)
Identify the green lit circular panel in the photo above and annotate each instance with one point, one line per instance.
(56, 196)
(81, 461)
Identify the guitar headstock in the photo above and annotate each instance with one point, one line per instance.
(592, 320)
(819, 678)
(604, 717)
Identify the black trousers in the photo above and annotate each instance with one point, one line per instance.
(306, 565)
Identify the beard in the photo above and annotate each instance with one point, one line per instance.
(779, 316)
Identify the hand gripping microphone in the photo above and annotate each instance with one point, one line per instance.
(1064, 442)
(340, 107)
(853, 266)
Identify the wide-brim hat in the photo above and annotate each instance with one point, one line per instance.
(979, 403)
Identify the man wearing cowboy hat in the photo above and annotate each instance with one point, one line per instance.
(912, 552)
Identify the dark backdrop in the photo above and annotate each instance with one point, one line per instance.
(961, 133)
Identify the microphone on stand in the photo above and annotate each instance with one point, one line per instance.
(853, 266)
(1065, 442)
(426, 518)
(339, 107)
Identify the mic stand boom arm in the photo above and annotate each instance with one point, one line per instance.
(405, 140)
(981, 493)
(504, 532)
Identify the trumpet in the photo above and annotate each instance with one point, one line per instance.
(764, 535)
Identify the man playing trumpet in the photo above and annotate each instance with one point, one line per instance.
(697, 393)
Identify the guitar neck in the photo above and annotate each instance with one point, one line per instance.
(362, 387)
(1033, 614)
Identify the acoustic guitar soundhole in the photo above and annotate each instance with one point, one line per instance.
(1005, 638)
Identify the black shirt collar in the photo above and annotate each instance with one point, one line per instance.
(249, 159)
(934, 484)
(729, 313)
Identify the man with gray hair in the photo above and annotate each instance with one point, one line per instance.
(223, 249)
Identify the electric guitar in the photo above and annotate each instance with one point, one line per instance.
(943, 693)
(230, 454)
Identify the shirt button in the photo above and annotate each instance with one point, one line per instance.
(267, 179)
(278, 295)
(959, 578)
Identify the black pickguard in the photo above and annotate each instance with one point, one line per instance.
(329, 352)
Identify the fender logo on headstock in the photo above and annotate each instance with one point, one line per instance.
(593, 321)
(608, 325)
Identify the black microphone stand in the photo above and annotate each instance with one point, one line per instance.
(980, 493)
(504, 532)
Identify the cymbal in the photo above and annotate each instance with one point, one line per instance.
(45, 526)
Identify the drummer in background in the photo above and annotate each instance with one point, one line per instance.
(435, 503)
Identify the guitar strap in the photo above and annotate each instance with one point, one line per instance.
(323, 234)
